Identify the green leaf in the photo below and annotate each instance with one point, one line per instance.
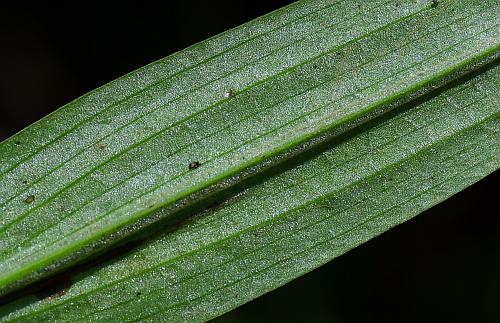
(297, 216)
(118, 159)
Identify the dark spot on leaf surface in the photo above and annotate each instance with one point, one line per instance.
(101, 146)
(139, 294)
(29, 199)
(434, 3)
(194, 165)
(229, 94)
(17, 142)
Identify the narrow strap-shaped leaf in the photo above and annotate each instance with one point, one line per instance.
(227, 104)
(302, 215)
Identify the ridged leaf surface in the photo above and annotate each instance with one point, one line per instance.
(145, 146)
(301, 215)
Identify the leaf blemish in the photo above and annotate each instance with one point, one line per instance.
(17, 142)
(194, 165)
(29, 199)
(138, 294)
(434, 3)
(229, 94)
(101, 146)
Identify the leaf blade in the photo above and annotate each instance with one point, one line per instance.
(116, 178)
(452, 139)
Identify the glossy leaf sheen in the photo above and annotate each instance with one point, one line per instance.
(235, 101)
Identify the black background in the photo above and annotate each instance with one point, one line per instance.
(441, 266)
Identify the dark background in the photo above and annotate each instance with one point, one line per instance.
(441, 266)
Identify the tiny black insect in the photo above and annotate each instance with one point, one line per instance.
(194, 165)
(434, 3)
(29, 199)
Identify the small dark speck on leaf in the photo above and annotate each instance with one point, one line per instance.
(25, 182)
(101, 146)
(434, 3)
(229, 94)
(17, 142)
(194, 165)
(139, 294)
(29, 199)
(315, 66)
